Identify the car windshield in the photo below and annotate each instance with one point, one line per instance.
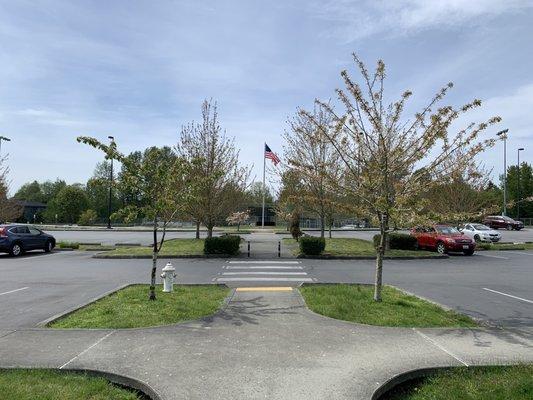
(481, 227)
(508, 219)
(447, 230)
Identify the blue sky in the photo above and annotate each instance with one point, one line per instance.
(138, 70)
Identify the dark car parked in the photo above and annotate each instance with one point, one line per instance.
(16, 239)
(501, 221)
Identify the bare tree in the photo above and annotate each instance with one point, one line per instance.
(9, 209)
(219, 179)
(316, 162)
(391, 161)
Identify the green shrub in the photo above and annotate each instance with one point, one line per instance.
(484, 246)
(312, 246)
(227, 244)
(398, 241)
(88, 217)
(69, 245)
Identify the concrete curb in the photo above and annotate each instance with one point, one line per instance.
(149, 257)
(405, 377)
(58, 316)
(331, 257)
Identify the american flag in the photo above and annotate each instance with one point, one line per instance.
(271, 155)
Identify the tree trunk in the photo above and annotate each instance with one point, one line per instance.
(154, 263)
(197, 229)
(238, 227)
(209, 231)
(322, 226)
(330, 225)
(383, 227)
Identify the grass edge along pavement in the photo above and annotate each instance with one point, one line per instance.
(354, 303)
(353, 247)
(35, 384)
(130, 308)
(171, 247)
(473, 383)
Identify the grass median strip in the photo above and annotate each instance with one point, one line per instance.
(355, 303)
(475, 383)
(35, 384)
(351, 247)
(173, 247)
(130, 307)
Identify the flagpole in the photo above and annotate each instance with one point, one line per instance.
(264, 187)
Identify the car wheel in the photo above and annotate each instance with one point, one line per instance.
(477, 238)
(509, 227)
(468, 252)
(16, 250)
(48, 247)
(441, 249)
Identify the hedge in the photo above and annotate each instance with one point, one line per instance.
(227, 244)
(69, 245)
(398, 241)
(312, 246)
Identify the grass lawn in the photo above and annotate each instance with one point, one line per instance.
(22, 384)
(355, 303)
(358, 247)
(475, 383)
(130, 307)
(172, 247)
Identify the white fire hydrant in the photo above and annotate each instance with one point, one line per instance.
(168, 276)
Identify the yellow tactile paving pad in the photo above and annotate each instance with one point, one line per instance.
(264, 289)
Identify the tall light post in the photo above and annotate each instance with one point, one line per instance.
(5, 139)
(503, 135)
(111, 138)
(518, 184)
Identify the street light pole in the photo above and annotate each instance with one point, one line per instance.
(5, 139)
(518, 184)
(110, 189)
(503, 134)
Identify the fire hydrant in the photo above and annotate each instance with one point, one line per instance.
(168, 276)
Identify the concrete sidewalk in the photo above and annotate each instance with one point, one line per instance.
(264, 344)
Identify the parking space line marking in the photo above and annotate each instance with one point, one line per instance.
(492, 256)
(433, 342)
(263, 273)
(264, 289)
(13, 291)
(87, 349)
(509, 295)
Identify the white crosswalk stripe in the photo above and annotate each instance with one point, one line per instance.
(262, 272)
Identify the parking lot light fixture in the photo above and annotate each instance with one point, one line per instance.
(111, 138)
(518, 184)
(503, 135)
(5, 139)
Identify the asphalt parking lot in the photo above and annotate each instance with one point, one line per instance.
(496, 287)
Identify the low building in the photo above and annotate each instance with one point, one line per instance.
(31, 211)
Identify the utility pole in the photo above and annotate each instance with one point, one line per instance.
(264, 187)
(503, 135)
(110, 189)
(518, 184)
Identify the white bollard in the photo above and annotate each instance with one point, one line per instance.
(168, 276)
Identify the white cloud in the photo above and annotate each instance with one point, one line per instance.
(356, 20)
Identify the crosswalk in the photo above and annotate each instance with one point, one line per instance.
(264, 272)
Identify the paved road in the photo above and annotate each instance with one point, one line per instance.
(495, 286)
(145, 237)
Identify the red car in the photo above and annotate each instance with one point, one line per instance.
(501, 221)
(443, 238)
